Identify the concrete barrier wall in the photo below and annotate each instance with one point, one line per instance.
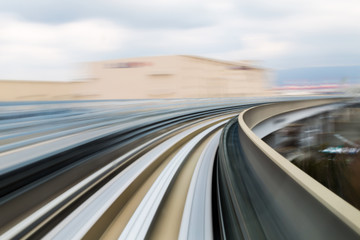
(254, 116)
(302, 205)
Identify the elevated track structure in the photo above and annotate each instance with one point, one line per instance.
(194, 169)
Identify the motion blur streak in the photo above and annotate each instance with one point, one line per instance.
(151, 169)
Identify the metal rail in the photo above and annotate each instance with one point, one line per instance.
(197, 219)
(139, 224)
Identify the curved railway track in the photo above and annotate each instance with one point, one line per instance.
(132, 170)
(54, 174)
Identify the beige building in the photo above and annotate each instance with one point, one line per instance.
(149, 77)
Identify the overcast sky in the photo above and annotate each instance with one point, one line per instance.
(44, 39)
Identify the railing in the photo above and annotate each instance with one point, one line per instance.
(264, 188)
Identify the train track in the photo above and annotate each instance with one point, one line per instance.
(133, 170)
(62, 170)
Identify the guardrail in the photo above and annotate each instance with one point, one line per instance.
(288, 203)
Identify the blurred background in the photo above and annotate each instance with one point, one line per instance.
(118, 95)
(177, 49)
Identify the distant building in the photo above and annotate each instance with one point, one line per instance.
(310, 89)
(150, 77)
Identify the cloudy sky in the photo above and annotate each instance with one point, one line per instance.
(45, 40)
